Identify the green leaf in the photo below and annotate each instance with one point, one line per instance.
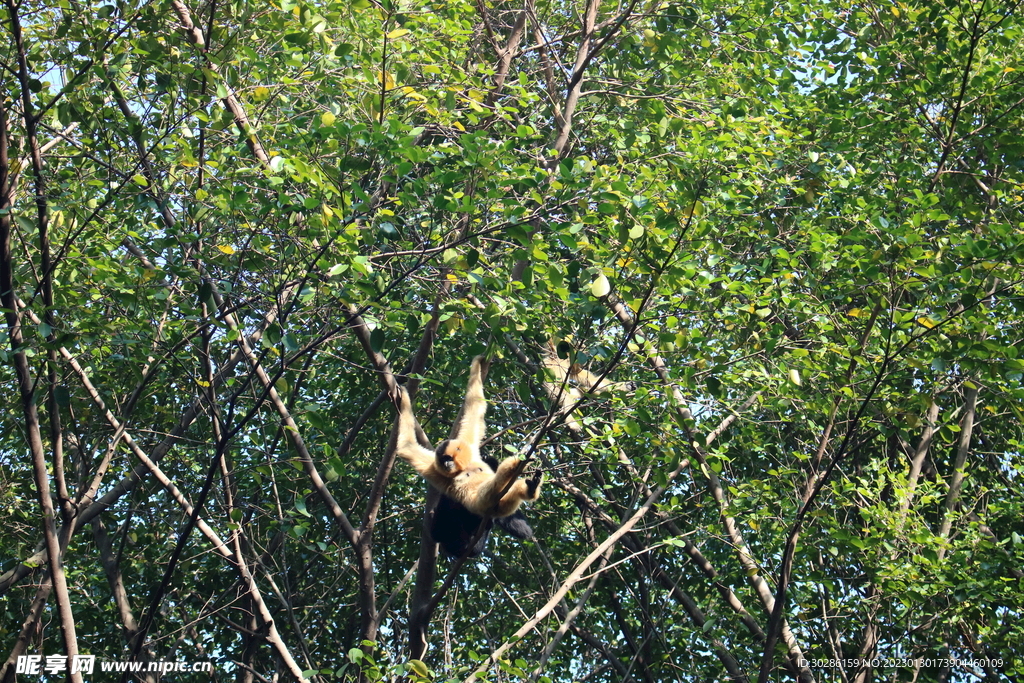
(377, 339)
(206, 293)
(418, 668)
(600, 287)
(62, 396)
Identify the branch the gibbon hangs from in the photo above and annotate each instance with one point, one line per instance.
(456, 468)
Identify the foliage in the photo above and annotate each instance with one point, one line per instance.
(799, 221)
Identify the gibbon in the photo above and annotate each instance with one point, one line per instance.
(456, 468)
(454, 527)
(563, 375)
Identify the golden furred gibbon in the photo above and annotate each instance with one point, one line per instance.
(566, 383)
(455, 467)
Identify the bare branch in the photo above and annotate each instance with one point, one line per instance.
(578, 573)
(231, 103)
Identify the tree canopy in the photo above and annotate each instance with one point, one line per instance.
(749, 274)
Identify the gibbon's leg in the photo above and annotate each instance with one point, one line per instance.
(588, 381)
(485, 500)
(515, 525)
(569, 381)
(404, 438)
(523, 489)
(469, 425)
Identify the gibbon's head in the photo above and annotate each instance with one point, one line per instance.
(453, 456)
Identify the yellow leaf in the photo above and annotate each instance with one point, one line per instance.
(411, 93)
(262, 93)
(397, 33)
(203, 383)
(854, 313)
(327, 119)
(385, 78)
(459, 126)
(600, 287)
(926, 322)
(794, 377)
(696, 210)
(226, 248)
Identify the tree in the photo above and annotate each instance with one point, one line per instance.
(750, 274)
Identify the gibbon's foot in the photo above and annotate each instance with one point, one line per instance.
(516, 525)
(533, 483)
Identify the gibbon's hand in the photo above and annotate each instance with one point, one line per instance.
(397, 395)
(485, 365)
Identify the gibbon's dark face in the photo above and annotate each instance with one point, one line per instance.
(453, 456)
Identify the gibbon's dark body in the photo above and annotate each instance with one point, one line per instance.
(454, 526)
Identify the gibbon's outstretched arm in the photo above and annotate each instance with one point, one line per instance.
(455, 468)
(407, 446)
(470, 426)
